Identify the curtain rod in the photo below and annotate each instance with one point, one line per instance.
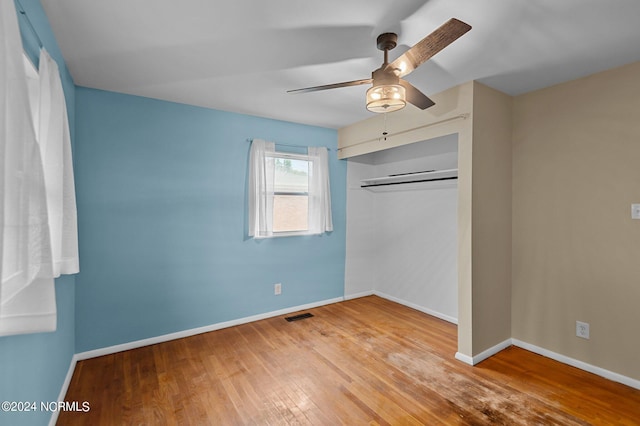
(292, 146)
(446, 120)
(33, 30)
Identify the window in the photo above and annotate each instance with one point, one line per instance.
(288, 193)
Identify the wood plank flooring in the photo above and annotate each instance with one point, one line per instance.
(366, 361)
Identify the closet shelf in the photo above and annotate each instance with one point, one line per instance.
(430, 176)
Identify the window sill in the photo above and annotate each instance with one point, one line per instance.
(286, 234)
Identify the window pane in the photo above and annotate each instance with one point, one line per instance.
(290, 213)
(291, 175)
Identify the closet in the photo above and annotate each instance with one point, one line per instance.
(402, 224)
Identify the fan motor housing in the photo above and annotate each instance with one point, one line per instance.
(384, 77)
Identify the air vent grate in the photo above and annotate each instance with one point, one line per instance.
(299, 317)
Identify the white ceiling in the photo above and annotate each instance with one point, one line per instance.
(242, 55)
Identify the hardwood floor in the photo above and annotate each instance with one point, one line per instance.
(363, 361)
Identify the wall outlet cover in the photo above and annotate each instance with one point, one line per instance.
(635, 211)
(582, 329)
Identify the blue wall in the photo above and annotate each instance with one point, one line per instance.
(33, 366)
(162, 218)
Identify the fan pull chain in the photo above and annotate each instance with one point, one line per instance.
(384, 129)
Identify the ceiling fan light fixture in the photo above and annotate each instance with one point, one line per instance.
(389, 91)
(386, 98)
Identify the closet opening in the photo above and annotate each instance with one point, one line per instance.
(402, 221)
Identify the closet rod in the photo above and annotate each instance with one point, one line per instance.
(22, 12)
(409, 181)
(292, 146)
(446, 120)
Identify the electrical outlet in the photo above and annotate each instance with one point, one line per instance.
(635, 211)
(277, 289)
(582, 329)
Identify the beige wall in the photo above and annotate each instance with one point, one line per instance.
(491, 218)
(576, 250)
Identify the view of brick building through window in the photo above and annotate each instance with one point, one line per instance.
(290, 213)
(291, 199)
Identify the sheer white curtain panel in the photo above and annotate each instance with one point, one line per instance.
(320, 219)
(27, 293)
(55, 146)
(261, 185)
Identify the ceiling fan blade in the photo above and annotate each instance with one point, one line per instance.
(443, 36)
(416, 97)
(331, 86)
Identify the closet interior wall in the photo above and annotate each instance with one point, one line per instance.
(402, 239)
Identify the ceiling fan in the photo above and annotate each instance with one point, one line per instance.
(389, 91)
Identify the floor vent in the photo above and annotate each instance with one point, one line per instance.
(298, 317)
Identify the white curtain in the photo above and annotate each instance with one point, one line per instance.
(320, 219)
(27, 295)
(55, 147)
(261, 182)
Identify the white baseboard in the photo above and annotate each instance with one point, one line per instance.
(616, 377)
(578, 364)
(484, 354)
(464, 358)
(63, 390)
(358, 295)
(431, 312)
(199, 330)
